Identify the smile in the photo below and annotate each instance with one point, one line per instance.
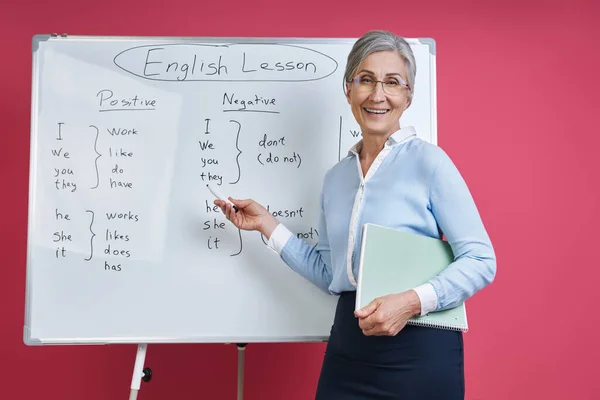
(375, 111)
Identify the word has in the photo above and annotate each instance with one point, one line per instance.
(112, 267)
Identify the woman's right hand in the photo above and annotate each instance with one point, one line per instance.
(251, 216)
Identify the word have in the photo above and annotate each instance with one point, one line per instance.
(108, 102)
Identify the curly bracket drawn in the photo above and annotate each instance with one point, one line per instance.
(92, 238)
(99, 155)
(237, 140)
(240, 235)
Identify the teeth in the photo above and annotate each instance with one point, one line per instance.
(375, 111)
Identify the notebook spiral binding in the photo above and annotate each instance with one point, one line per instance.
(431, 324)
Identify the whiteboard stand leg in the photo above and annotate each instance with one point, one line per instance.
(139, 372)
(240, 392)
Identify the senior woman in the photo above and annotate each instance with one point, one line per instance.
(395, 179)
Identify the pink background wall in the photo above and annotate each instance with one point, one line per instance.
(517, 105)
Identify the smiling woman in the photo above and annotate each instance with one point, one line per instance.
(372, 353)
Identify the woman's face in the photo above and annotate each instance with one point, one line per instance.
(377, 112)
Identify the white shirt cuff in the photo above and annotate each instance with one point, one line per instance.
(279, 238)
(428, 298)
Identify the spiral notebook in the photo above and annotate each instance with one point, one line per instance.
(392, 261)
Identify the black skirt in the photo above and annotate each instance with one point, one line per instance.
(417, 364)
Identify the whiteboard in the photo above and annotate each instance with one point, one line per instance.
(124, 245)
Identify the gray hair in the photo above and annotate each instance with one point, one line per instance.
(379, 40)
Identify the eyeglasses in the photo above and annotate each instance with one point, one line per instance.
(392, 86)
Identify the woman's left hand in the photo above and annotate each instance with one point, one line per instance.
(387, 315)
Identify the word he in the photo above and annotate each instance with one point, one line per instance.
(60, 215)
(212, 207)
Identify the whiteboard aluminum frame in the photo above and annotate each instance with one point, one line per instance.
(37, 39)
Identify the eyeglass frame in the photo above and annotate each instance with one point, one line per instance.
(401, 80)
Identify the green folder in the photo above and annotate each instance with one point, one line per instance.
(392, 261)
